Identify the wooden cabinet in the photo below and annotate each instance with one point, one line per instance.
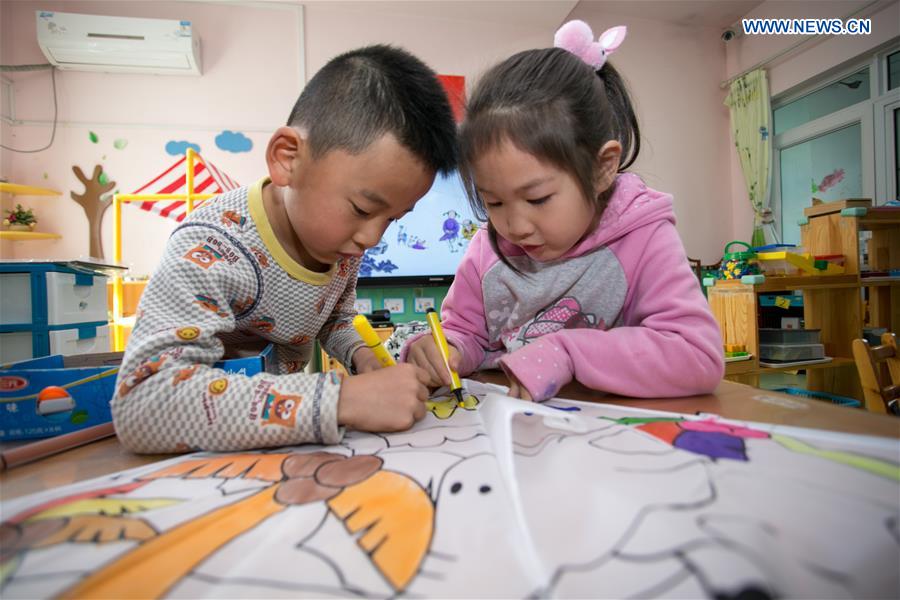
(839, 305)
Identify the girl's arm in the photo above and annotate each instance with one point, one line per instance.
(668, 344)
(462, 311)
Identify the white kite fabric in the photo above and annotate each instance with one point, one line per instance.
(208, 179)
(492, 497)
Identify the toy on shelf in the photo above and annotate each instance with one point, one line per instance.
(788, 259)
(736, 352)
(736, 265)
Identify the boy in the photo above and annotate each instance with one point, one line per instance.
(277, 261)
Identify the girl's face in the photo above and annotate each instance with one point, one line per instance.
(532, 204)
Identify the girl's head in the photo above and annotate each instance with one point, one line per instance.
(543, 140)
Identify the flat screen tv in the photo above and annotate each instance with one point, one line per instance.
(425, 246)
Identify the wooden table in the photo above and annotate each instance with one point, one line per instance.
(731, 400)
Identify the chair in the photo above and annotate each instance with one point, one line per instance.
(882, 393)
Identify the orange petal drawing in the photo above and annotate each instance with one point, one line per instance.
(266, 467)
(99, 529)
(396, 517)
(151, 569)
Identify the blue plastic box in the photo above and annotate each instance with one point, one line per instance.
(28, 410)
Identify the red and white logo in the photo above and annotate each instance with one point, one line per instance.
(10, 383)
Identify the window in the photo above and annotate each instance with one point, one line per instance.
(840, 94)
(893, 79)
(837, 138)
(826, 167)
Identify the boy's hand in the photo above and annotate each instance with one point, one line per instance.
(364, 361)
(390, 399)
(425, 354)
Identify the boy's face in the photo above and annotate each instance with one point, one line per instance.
(340, 204)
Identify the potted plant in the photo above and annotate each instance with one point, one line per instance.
(19, 219)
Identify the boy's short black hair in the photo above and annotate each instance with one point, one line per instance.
(366, 93)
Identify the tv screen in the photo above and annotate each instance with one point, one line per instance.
(426, 245)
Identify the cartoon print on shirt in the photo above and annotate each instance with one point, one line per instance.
(203, 256)
(210, 304)
(230, 218)
(261, 257)
(280, 409)
(184, 374)
(565, 313)
(145, 370)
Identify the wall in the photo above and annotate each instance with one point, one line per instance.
(818, 55)
(674, 70)
(251, 78)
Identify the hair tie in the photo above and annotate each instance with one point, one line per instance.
(577, 38)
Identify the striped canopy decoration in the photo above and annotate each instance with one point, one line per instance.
(207, 180)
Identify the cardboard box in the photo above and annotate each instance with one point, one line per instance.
(81, 387)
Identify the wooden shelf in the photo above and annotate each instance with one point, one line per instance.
(26, 190)
(879, 218)
(797, 282)
(835, 362)
(879, 281)
(21, 236)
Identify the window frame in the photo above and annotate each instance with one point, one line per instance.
(873, 115)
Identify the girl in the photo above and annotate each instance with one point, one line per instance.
(580, 273)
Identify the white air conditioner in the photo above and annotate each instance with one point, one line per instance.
(118, 44)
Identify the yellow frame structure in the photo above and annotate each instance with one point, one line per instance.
(118, 324)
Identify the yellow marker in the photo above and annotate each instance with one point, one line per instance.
(434, 321)
(371, 339)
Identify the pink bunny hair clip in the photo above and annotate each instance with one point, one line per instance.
(577, 38)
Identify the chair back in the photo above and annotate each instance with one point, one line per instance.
(879, 373)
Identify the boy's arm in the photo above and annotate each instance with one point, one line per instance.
(168, 396)
(338, 337)
(669, 345)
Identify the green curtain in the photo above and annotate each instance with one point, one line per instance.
(748, 102)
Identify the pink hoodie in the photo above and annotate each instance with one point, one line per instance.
(621, 312)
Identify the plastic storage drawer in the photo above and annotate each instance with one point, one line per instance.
(791, 352)
(70, 300)
(79, 340)
(788, 336)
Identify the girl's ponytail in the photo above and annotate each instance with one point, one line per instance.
(624, 121)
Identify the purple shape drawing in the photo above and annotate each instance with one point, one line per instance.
(712, 444)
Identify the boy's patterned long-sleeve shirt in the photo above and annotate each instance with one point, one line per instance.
(225, 284)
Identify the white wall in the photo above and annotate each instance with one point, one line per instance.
(251, 79)
(818, 55)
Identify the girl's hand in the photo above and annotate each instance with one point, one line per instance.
(516, 389)
(364, 361)
(424, 354)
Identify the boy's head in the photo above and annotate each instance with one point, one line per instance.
(363, 94)
(362, 145)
